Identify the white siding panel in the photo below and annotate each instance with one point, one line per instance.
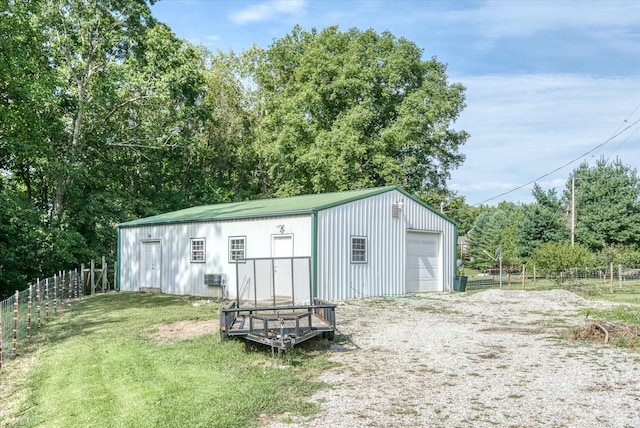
(180, 276)
(337, 278)
(383, 274)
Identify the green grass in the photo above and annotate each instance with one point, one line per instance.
(96, 365)
(623, 314)
(592, 289)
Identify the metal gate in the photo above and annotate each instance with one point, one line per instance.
(276, 280)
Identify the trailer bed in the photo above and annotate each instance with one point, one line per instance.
(280, 327)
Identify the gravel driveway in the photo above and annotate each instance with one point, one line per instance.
(491, 359)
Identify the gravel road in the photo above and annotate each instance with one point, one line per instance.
(491, 359)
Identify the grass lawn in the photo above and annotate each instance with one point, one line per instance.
(97, 365)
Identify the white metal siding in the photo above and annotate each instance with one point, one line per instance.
(179, 276)
(337, 278)
(383, 274)
(385, 271)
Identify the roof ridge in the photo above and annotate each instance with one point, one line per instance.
(256, 208)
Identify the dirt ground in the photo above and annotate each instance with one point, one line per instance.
(182, 330)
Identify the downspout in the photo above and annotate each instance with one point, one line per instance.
(314, 254)
(118, 260)
(455, 254)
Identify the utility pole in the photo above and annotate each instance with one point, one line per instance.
(573, 210)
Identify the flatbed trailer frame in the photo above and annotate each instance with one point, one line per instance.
(280, 326)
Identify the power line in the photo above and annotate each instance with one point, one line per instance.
(615, 135)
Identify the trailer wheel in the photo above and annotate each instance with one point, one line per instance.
(330, 335)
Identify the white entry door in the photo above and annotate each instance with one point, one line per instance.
(282, 246)
(423, 262)
(150, 272)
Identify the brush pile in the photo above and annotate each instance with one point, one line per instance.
(607, 332)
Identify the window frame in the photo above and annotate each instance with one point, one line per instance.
(233, 259)
(195, 252)
(362, 250)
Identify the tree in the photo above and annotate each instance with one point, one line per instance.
(607, 200)
(496, 228)
(543, 221)
(342, 110)
(553, 256)
(88, 39)
(29, 117)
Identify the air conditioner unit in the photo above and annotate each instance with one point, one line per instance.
(217, 279)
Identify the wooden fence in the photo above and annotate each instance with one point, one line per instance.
(24, 312)
(607, 277)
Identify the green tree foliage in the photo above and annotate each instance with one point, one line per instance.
(106, 116)
(29, 118)
(607, 200)
(617, 254)
(493, 229)
(552, 256)
(341, 110)
(543, 221)
(90, 43)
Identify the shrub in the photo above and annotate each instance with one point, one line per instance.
(554, 256)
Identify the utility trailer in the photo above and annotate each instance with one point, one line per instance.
(283, 322)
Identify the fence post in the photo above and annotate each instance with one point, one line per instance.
(81, 277)
(76, 283)
(620, 276)
(46, 299)
(611, 275)
(93, 279)
(62, 290)
(524, 275)
(15, 323)
(29, 311)
(38, 301)
(105, 282)
(55, 294)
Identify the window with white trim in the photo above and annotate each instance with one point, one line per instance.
(197, 250)
(358, 249)
(237, 248)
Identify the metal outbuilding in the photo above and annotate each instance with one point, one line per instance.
(360, 243)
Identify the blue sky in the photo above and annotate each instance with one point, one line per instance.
(547, 81)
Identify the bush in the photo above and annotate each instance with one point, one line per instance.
(554, 256)
(617, 254)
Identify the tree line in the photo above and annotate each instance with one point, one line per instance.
(600, 207)
(107, 116)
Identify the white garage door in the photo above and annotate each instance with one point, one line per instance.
(424, 266)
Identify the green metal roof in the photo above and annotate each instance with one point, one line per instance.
(294, 205)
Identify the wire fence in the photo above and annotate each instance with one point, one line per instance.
(609, 278)
(26, 311)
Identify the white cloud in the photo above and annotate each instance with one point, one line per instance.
(500, 19)
(267, 11)
(524, 127)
